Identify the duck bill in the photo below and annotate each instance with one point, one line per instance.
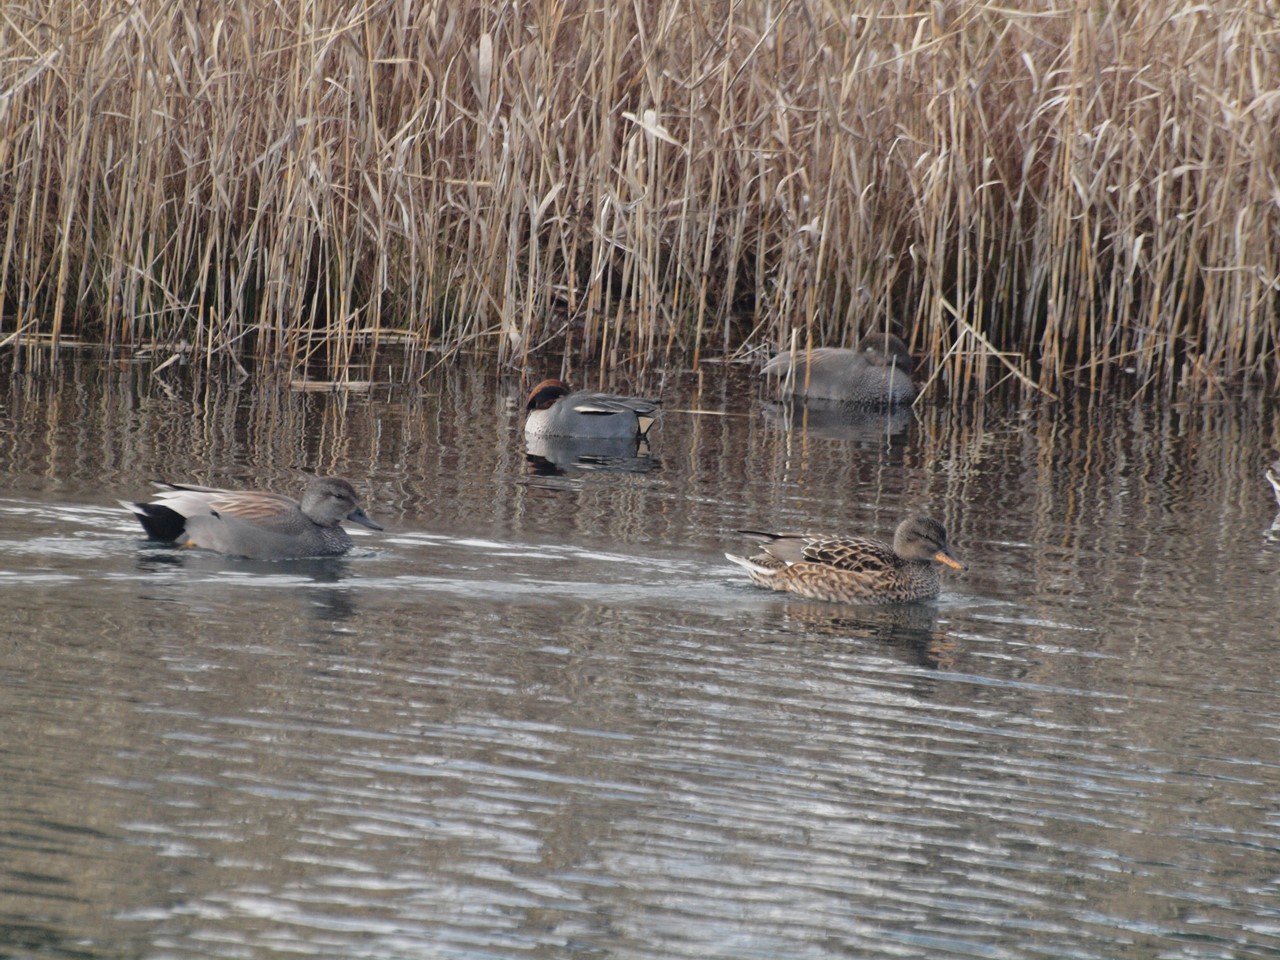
(943, 557)
(359, 516)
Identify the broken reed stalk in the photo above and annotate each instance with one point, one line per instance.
(1082, 195)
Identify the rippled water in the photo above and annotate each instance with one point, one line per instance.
(541, 716)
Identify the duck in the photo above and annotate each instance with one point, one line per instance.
(253, 523)
(556, 410)
(845, 569)
(1273, 475)
(877, 373)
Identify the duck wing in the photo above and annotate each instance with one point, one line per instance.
(254, 507)
(859, 554)
(837, 360)
(607, 404)
(249, 505)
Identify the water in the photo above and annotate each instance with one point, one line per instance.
(542, 717)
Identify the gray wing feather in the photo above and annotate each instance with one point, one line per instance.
(821, 360)
(605, 404)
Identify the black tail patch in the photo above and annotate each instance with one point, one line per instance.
(160, 522)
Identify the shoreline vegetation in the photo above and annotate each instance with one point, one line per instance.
(1064, 195)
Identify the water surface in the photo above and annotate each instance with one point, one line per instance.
(541, 716)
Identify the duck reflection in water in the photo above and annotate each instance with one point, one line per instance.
(838, 421)
(909, 631)
(547, 456)
(315, 585)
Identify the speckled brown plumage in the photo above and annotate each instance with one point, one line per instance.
(854, 569)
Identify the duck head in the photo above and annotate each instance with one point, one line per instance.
(885, 350)
(545, 394)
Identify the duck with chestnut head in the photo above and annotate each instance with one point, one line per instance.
(555, 409)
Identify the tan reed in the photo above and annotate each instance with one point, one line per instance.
(1065, 195)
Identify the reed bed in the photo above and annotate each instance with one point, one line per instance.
(1062, 194)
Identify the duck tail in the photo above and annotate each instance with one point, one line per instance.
(160, 522)
(750, 565)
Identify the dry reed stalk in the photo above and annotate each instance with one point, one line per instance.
(1080, 195)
